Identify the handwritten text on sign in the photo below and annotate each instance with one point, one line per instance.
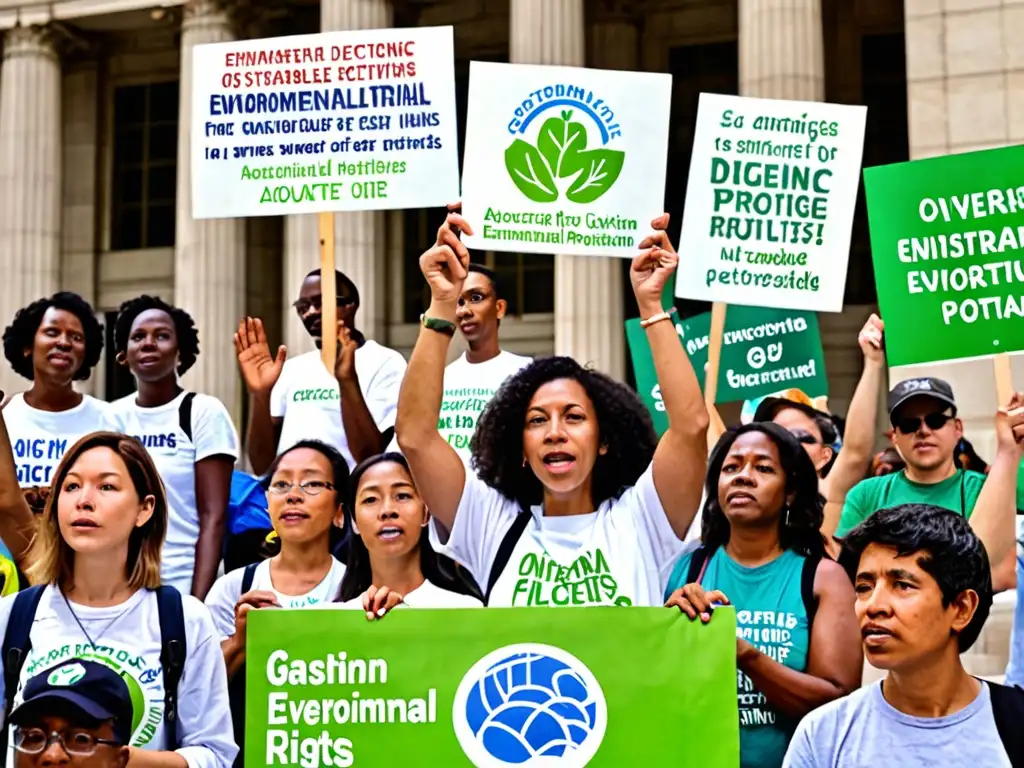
(340, 121)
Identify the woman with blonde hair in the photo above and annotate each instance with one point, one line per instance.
(96, 563)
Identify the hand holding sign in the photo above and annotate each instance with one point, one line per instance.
(254, 598)
(652, 268)
(345, 365)
(1010, 425)
(377, 602)
(445, 265)
(871, 339)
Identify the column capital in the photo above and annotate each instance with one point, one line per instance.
(33, 40)
(206, 13)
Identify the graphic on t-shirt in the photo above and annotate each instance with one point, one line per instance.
(460, 409)
(315, 394)
(37, 458)
(166, 440)
(771, 632)
(588, 580)
(143, 677)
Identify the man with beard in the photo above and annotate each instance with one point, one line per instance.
(353, 410)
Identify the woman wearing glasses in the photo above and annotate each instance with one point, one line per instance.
(352, 409)
(306, 487)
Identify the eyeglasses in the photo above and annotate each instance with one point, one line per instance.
(310, 487)
(74, 741)
(804, 438)
(910, 424)
(305, 305)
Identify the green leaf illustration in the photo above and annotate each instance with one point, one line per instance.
(530, 172)
(559, 140)
(598, 170)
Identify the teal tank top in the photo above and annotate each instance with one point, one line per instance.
(771, 616)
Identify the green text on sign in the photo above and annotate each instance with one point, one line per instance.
(490, 688)
(947, 235)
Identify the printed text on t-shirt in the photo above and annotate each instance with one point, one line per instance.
(771, 632)
(586, 581)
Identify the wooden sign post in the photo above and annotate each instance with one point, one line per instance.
(717, 427)
(1004, 379)
(328, 293)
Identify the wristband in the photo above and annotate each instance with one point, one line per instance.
(666, 315)
(447, 327)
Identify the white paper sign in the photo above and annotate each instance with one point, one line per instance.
(564, 159)
(340, 121)
(770, 202)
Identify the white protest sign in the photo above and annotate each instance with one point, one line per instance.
(340, 121)
(564, 159)
(770, 202)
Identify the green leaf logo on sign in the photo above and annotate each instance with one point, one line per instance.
(561, 154)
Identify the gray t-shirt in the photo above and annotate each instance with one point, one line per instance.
(863, 730)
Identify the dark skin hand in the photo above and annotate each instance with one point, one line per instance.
(364, 438)
(834, 658)
(213, 487)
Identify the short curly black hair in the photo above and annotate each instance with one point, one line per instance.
(624, 425)
(20, 334)
(184, 328)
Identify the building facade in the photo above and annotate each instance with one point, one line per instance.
(95, 171)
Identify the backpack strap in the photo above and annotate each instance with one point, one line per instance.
(807, 575)
(698, 564)
(185, 414)
(16, 646)
(1008, 712)
(248, 575)
(173, 650)
(515, 532)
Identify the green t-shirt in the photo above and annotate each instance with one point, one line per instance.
(957, 493)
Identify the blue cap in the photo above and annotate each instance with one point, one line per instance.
(92, 688)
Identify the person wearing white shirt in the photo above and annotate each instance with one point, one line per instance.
(390, 562)
(97, 551)
(190, 436)
(53, 342)
(306, 486)
(352, 409)
(567, 462)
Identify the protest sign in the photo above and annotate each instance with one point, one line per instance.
(338, 121)
(763, 351)
(770, 202)
(947, 235)
(598, 687)
(564, 159)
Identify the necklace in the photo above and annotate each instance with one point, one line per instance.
(78, 621)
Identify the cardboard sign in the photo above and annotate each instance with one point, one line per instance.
(339, 121)
(770, 202)
(564, 159)
(947, 236)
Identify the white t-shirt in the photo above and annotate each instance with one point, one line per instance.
(468, 387)
(621, 554)
(40, 438)
(308, 399)
(426, 595)
(159, 430)
(224, 594)
(127, 638)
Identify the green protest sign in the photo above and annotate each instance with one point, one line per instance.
(491, 688)
(763, 351)
(946, 238)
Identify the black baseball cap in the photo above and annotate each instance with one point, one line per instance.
(92, 689)
(927, 386)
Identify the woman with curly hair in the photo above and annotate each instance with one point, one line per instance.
(190, 437)
(574, 501)
(798, 640)
(53, 343)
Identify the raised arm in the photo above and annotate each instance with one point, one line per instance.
(17, 523)
(437, 469)
(260, 372)
(834, 658)
(364, 438)
(994, 518)
(859, 440)
(681, 456)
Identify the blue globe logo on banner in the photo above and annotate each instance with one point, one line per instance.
(529, 705)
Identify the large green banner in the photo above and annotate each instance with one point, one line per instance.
(763, 351)
(491, 688)
(947, 235)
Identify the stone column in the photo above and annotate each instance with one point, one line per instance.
(30, 174)
(588, 294)
(781, 54)
(209, 254)
(359, 242)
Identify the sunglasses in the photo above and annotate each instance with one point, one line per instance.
(911, 424)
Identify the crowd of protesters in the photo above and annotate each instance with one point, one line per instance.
(118, 515)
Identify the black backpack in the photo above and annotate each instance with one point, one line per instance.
(173, 651)
(236, 685)
(1008, 712)
(702, 555)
